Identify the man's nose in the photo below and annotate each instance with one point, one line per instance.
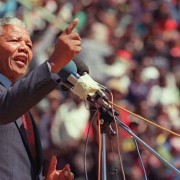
(22, 47)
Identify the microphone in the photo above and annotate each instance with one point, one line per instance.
(81, 85)
(81, 66)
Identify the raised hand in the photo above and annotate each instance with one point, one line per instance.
(67, 46)
(53, 174)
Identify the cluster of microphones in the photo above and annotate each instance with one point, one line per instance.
(75, 77)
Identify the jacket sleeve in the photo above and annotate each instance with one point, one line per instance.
(26, 92)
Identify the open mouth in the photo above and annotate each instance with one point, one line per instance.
(21, 60)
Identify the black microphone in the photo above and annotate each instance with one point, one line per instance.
(83, 86)
(81, 66)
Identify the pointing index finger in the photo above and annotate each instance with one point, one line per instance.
(71, 27)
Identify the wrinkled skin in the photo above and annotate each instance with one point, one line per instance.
(16, 51)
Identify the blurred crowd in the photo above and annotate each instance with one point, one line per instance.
(133, 48)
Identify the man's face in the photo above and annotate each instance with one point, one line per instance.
(15, 51)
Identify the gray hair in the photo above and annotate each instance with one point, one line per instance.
(11, 21)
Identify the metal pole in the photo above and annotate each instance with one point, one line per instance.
(104, 170)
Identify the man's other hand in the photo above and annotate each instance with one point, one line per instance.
(53, 174)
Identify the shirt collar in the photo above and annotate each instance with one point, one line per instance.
(5, 81)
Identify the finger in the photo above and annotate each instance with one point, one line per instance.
(67, 167)
(68, 175)
(71, 27)
(72, 175)
(76, 42)
(67, 172)
(52, 165)
(75, 36)
(76, 50)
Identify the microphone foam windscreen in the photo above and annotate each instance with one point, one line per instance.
(81, 66)
(67, 70)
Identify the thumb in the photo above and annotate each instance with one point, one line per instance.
(52, 164)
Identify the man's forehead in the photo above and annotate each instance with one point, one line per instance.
(13, 30)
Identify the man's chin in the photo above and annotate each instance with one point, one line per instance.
(18, 74)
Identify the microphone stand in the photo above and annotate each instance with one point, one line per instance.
(106, 117)
(105, 121)
(126, 128)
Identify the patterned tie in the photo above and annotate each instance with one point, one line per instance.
(29, 133)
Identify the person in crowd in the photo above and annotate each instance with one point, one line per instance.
(20, 147)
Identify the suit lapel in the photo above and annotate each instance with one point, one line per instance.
(19, 125)
(38, 144)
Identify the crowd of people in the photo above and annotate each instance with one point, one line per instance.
(131, 47)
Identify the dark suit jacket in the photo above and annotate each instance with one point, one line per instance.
(16, 162)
